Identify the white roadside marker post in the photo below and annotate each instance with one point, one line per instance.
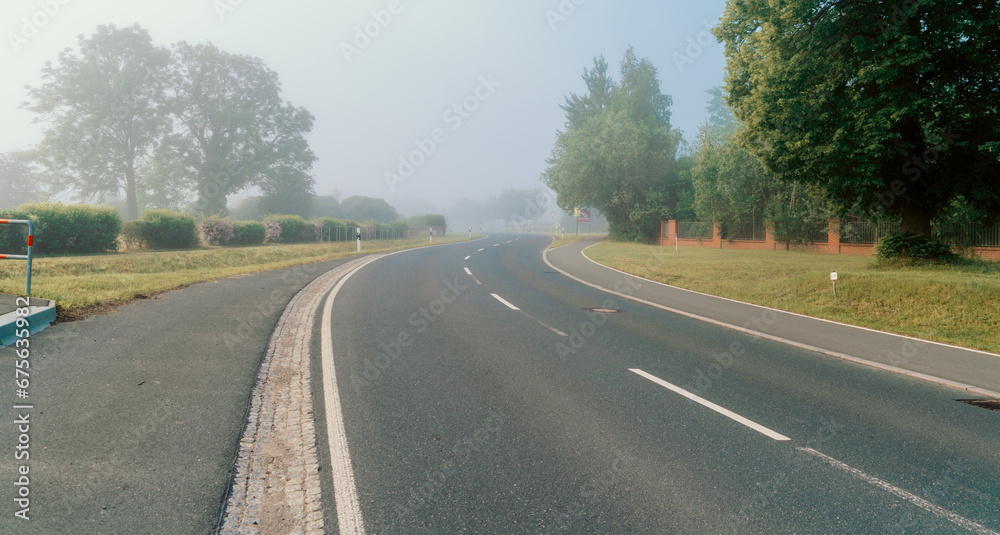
(359, 238)
(833, 277)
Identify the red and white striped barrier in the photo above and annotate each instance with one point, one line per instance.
(31, 245)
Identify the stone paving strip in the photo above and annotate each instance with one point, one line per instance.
(276, 482)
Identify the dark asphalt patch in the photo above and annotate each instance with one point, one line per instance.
(991, 404)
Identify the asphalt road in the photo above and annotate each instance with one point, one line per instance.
(464, 415)
(137, 414)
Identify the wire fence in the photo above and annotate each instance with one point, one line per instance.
(865, 232)
(694, 229)
(967, 235)
(957, 234)
(337, 234)
(753, 230)
(853, 230)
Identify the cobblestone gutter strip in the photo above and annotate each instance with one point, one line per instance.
(276, 483)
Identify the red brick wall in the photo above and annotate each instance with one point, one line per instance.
(746, 244)
(857, 249)
(833, 246)
(988, 253)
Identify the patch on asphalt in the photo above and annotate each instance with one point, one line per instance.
(991, 404)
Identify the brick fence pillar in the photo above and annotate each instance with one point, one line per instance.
(717, 235)
(833, 238)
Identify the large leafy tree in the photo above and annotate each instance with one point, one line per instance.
(888, 107)
(101, 103)
(368, 210)
(18, 180)
(732, 186)
(233, 129)
(286, 183)
(618, 150)
(326, 206)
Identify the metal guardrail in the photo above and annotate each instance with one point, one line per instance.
(31, 245)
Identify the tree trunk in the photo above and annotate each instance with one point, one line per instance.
(131, 203)
(916, 220)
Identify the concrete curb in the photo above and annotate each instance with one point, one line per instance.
(39, 318)
(276, 482)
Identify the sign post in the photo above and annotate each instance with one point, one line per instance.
(833, 277)
(582, 216)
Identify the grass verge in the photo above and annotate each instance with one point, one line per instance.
(955, 304)
(573, 239)
(87, 285)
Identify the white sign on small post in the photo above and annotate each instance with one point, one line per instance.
(833, 277)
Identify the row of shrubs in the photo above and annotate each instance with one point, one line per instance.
(85, 229)
(62, 229)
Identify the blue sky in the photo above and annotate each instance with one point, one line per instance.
(373, 102)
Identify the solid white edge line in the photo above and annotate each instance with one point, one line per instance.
(897, 335)
(349, 516)
(702, 401)
(917, 375)
(908, 496)
(504, 301)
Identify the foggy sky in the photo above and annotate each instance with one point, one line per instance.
(373, 102)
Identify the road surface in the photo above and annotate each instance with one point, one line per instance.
(480, 395)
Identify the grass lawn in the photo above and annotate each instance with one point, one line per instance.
(568, 240)
(85, 285)
(571, 238)
(955, 304)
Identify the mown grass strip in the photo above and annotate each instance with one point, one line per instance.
(85, 285)
(559, 242)
(955, 304)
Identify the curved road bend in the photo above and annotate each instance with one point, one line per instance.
(479, 394)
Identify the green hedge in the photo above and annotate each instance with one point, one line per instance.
(294, 229)
(62, 229)
(899, 245)
(131, 235)
(330, 222)
(247, 233)
(165, 229)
